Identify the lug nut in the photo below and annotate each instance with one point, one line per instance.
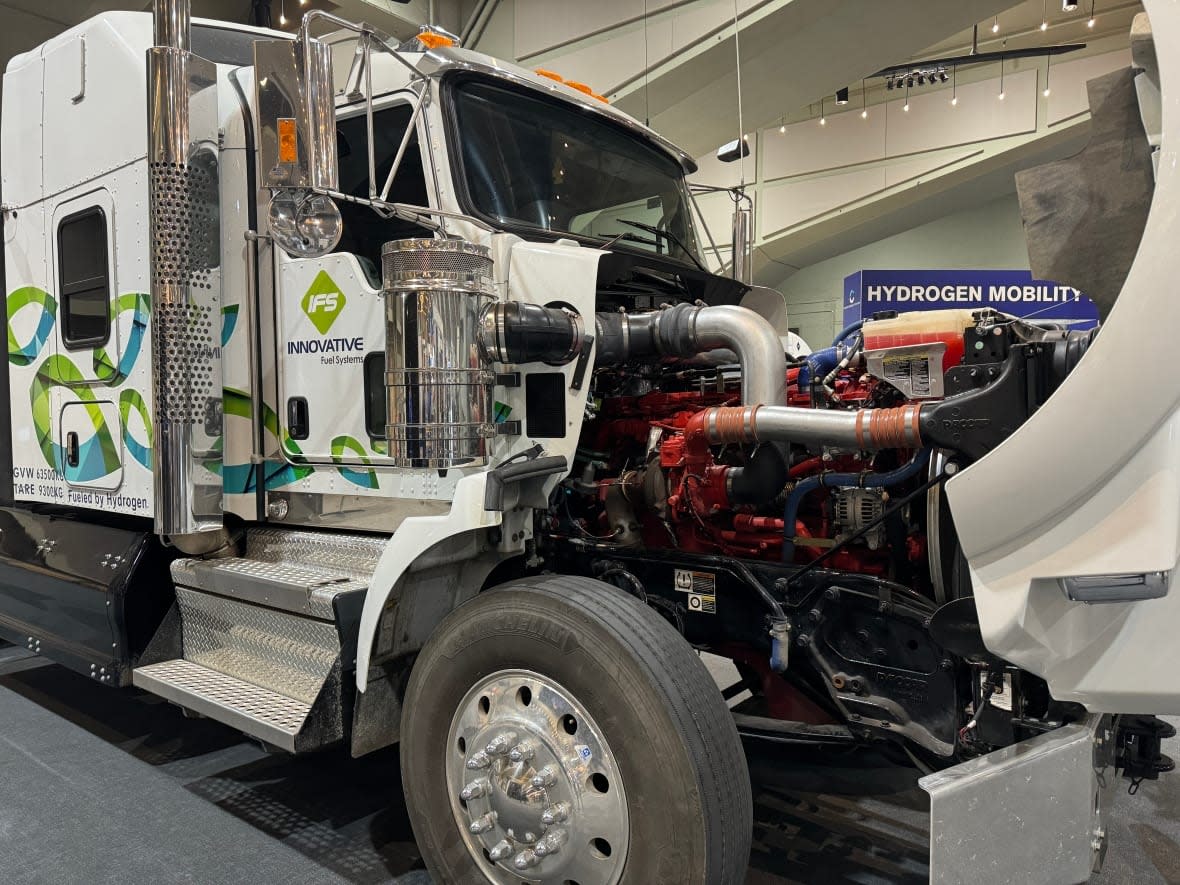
(479, 759)
(522, 752)
(501, 743)
(551, 843)
(555, 814)
(475, 789)
(524, 860)
(545, 778)
(483, 824)
(500, 850)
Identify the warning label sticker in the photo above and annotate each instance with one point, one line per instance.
(701, 588)
(909, 374)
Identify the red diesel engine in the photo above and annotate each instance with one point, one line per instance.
(653, 478)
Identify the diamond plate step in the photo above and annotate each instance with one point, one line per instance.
(258, 712)
(295, 588)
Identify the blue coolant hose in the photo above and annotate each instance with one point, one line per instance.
(847, 330)
(863, 480)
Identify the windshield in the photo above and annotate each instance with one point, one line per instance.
(544, 164)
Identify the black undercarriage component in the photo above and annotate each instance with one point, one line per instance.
(859, 646)
(1138, 739)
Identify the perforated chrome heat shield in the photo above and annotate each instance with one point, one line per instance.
(185, 280)
(437, 380)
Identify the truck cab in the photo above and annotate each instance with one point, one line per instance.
(364, 392)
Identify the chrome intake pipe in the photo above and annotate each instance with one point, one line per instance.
(687, 330)
(865, 429)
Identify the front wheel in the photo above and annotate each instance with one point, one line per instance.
(557, 730)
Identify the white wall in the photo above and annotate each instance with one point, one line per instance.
(989, 236)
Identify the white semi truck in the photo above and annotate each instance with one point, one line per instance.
(364, 393)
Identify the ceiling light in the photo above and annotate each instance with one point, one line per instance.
(1002, 96)
(823, 121)
(955, 102)
(996, 25)
(1048, 63)
(1044, 26)
(1090, 23)
(842, 96)
(906, 106)
(783, 129)
(864, 115)
(1044, 15)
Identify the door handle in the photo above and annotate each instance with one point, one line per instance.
(298, 418)
(1116, 588)
(72, 449)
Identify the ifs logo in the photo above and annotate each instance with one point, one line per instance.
(323, 302)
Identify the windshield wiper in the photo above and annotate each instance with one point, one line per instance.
(669, 236)
(630, 238)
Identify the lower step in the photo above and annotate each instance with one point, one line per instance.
(258, 712)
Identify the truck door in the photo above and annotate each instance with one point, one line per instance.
(331, 326)
(90, 358)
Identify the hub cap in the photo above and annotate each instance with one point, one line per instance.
(534, 787)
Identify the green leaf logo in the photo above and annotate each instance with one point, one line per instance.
(323, 302)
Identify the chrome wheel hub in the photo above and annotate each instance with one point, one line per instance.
(534, 787)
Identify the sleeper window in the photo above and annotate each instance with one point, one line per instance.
(84, 277)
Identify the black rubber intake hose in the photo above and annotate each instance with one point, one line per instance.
(518, 332)
(761, 480)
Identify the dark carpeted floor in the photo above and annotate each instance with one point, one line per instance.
(105, 786)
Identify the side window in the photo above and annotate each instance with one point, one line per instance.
(84, 278)
(365, 232)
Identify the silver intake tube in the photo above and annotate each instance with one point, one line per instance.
(864, 429)
(757, 344)
(687, 330)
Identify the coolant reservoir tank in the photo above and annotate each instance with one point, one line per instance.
(922, 327)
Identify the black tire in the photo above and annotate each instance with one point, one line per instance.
(676, 746)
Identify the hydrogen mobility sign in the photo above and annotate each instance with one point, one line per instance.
(1009, 291)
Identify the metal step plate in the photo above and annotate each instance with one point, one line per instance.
(258, 712)
(295, 588)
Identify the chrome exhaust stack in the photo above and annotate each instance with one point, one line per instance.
(185, 283)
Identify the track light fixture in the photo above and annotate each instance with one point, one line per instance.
(909, 83)
(842, 96)
(1069, 5)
